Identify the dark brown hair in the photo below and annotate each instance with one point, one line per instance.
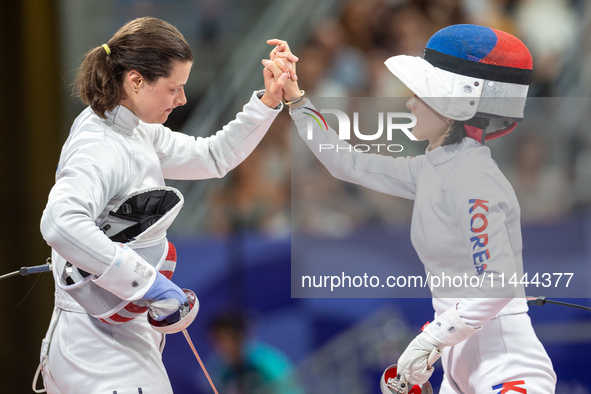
(147, 45)
(456, 134)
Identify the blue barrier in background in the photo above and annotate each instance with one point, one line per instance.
(252, 273)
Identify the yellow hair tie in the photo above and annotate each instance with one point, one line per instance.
(107, 49)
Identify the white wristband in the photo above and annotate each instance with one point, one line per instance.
(129, 276)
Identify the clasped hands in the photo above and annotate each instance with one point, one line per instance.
(280, 75)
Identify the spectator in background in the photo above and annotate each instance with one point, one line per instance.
(548, 28)
(498, 14)
(441, 13)
(406, 30)
(317, 70)
(360, 20)
(542, 189)
(348, 64)
(257, 193)
(245, 366)
(579, 169)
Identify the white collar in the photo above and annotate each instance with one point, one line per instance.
(443, 154)
(123, 119)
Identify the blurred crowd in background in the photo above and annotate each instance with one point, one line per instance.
(548, 163)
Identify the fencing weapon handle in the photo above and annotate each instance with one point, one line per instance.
(433, 356)
(24, 271)
(199, 359)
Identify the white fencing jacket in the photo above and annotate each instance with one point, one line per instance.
(105, 160)
(465, 218)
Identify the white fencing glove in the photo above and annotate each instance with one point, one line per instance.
(447, 329)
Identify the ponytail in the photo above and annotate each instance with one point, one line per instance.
(97, 84)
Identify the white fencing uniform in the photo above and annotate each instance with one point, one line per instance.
(465, 221)
(102, 162)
